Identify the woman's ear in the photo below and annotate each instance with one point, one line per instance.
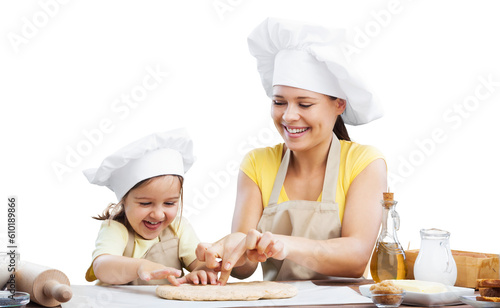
(340, 104)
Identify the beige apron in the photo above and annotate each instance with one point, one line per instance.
(302, 218)
(165, 252)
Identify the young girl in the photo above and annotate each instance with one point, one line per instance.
(142, 239)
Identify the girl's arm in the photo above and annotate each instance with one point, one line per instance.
(114, 269)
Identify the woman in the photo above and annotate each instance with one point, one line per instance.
(308, 208)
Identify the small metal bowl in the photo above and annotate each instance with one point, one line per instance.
(20, 299)
(387, 300)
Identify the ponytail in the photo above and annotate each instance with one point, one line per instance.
(339, 129)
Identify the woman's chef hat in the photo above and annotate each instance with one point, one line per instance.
(169, 152)
(307, 56)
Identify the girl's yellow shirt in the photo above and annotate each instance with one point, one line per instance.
(113, 237)
(261, 165)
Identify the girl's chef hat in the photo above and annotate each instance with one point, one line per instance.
(169, 152)
(307, 57)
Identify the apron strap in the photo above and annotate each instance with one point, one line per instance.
(280, 178)
(129, 249)
(331, 174)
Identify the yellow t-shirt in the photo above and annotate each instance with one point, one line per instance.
(113, 237)
(261, 165)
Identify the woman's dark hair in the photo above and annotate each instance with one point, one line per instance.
(339, 129)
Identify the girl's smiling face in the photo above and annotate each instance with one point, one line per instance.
(151, 207)
(304, 118)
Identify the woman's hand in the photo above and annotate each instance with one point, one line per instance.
(153, 271)
(261, 246)
(231, 249)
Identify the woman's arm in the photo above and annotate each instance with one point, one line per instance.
(247, 213)
(231, 249)
(362, 217)
(114, 269)
(333, 257)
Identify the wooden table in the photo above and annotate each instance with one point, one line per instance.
(352, 283)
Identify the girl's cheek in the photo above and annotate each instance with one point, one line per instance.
(173, 212)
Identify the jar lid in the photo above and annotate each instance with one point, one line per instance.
(434, 233)
(18, 299)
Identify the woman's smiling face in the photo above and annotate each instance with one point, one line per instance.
(151, 207)
(304, 118)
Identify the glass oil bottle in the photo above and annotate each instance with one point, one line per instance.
(388, 259)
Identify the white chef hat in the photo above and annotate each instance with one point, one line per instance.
(163, 153)
(307, 56)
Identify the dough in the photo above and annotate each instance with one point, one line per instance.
(239, 291)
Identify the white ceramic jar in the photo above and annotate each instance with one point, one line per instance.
(435, 261)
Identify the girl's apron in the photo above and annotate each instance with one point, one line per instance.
(165, 252)
(302, 218)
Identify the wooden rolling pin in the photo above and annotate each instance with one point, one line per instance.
(47, 287)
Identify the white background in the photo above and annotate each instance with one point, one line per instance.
(63, 66)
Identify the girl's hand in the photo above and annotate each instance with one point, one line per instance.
(261, 246)
(200, 277)
(153, 271)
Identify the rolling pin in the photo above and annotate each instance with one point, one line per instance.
(47, 287)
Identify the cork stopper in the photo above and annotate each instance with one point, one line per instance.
(388, 196)
(388, 199)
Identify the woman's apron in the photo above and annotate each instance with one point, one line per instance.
(302, 218)
(165, 252)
